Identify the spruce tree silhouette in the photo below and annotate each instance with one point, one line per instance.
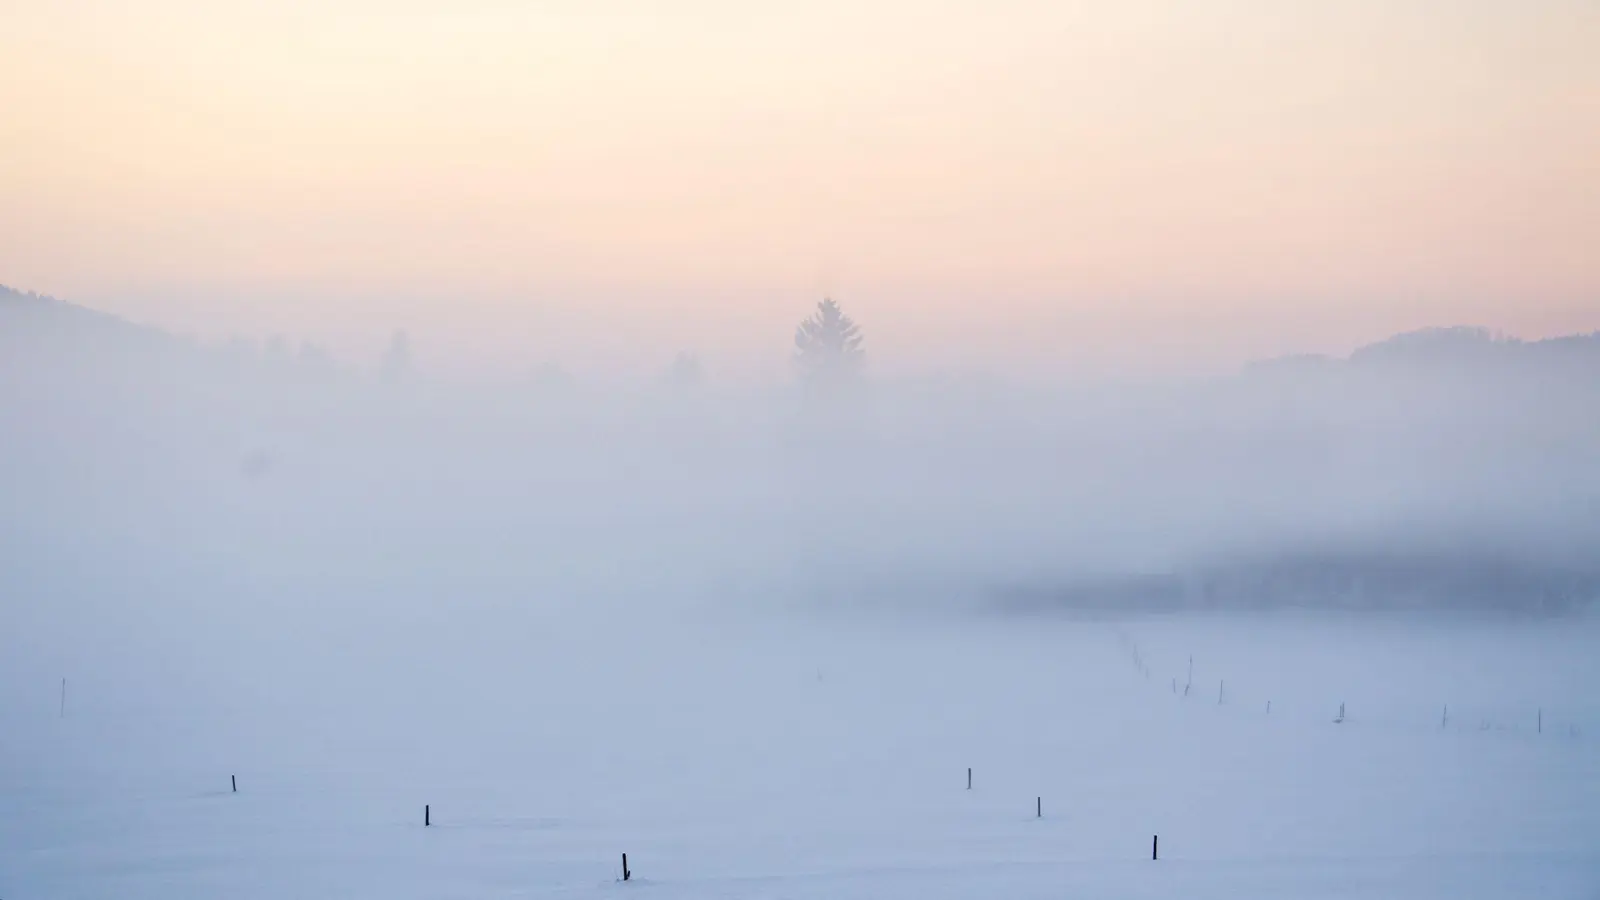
(828, 345)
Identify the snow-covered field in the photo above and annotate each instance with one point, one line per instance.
(736, 750)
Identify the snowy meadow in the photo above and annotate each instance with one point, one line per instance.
(737, 755)
(251, 637)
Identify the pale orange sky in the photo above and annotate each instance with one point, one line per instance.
(1004, 184)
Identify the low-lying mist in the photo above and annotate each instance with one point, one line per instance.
(1401, 477)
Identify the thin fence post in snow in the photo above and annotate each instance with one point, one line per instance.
(1038, 807)
(1219, 692)
(1541, 720)
(969, 778)
(427, 816)
(1155, 846)
(234, 780)
(626, 875)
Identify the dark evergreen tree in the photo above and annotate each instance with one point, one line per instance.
(828, 345)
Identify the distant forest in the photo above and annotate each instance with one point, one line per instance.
(1352, 580)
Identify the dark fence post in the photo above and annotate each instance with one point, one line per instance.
(1155, 846)
(969, 778)
(234, 779)
(427, 816)
(626, 875)
(1038, 807)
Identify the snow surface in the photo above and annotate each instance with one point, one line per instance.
(790, 755)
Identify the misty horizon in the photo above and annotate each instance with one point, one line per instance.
(754, 367)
